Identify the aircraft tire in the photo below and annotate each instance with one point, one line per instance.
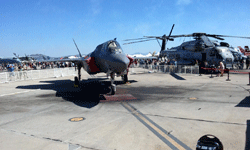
(76, 82)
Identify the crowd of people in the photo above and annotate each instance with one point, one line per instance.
(33, 66)
(215, 68)
(155, 62)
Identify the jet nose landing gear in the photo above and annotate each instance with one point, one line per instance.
(113, 86)
(113, 89)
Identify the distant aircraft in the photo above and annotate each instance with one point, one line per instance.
(245, 51)
(12, 60)
(108, 57)
(141, 56)
(25, 58)
(238, 55)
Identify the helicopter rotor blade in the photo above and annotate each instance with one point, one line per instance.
(171, 31)
(219, 36)
(182, 35)
(151, 36)
(169, 35)
(138, 41)
(234, 36)
(158, 42)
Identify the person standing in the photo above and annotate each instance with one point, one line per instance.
(175, 65)
(202, 65)
(241, 63)
(247, 63)
(221, 68)
(11, 70)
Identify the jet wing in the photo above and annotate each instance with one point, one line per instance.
(75, 60)
(152, 57)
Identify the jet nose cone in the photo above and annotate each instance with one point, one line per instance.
(123, 64)
(119, 64)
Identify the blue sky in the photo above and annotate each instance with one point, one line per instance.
(48, 26)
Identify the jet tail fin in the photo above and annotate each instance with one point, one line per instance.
(241, 49)
(77, 49)
(16, 55)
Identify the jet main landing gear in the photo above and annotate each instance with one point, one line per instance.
(125, 78)
(76, 82)
(79, 76)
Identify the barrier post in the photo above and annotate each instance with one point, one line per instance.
(228, 76)
(211, 73)
(6, 75)
(249, 78)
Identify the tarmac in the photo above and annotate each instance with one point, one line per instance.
(155, 111)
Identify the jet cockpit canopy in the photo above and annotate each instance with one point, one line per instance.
(114, 47)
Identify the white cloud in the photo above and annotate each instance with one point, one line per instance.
(183, 2)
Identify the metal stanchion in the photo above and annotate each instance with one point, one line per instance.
(228, 76)
(249, 78)
(211, 74)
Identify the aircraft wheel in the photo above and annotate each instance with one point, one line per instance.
(76, 82)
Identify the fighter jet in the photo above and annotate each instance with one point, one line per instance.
(108, 57)
(10, 60)
(25, 58)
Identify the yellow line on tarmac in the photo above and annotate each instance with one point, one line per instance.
(154, 127)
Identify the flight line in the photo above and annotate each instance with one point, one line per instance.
(165, 136)
(171, 109)
(163, 115)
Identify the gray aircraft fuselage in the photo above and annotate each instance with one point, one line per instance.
(108, 57)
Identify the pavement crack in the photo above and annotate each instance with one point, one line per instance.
(50, 139)
(247, 90)
(201, 120)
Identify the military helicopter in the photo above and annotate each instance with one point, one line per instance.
(201, 49)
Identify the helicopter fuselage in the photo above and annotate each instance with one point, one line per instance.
(188, 52)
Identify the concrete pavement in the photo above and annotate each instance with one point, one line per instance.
(167, 113)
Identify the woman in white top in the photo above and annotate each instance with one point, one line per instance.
(222, 67)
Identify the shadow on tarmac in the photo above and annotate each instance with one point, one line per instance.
(176, 76)
(247, 147)
(86, 95)
(244, 103)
